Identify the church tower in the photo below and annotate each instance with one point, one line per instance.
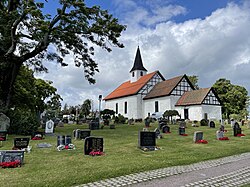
(138, 69)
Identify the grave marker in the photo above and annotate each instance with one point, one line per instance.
(236, 129)
(147, 140)
(60, 140)
(21, 143)
(94, 125)
(49, 129)
(219, 134)
(181, 130)
(11, 156)
(157, 133)
(165, 129)
(93, 144)
(3, 135)
(198, 135)
(4, 122)
(211, 124)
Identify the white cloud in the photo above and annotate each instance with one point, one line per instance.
(211, 48)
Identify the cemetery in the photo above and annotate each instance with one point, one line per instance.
(105, 153)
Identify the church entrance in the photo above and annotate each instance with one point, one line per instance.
(186, 113)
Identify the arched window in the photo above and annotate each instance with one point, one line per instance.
(141, 73)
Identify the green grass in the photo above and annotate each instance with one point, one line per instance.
(48, 167)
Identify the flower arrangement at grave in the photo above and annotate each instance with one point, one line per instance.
(239, 135)
(12, 164)
(37, 137)
(67, 147)
(224, 138)
(184, 134)
(96, 153)
(202, 141)
(2, 139)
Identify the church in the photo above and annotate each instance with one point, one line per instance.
(148, 93)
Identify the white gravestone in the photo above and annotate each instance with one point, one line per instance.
(219, 134)
(49, 127)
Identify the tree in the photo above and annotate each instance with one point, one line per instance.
(170, 113)
(194, 80)
(26, 32)
(86, 107)
(234, 98)
(107, 113)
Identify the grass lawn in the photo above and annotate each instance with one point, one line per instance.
(49, 167)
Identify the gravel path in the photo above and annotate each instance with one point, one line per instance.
(228, 171)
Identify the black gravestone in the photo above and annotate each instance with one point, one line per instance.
(165, 129)
(93, 144)
(157, 133)
(211, 124)
(198, 135)
(236, 129)
(3, 135)
(146, 139)
(84, 134)
(67, 140)
(21, 143)
(181, 130)
(11, 155)
(162, 123)
(60, 140)
(94, 125)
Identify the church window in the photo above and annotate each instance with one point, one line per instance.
(156, 106)
(141, 73)
(125, 107)
(116, 108)
(133, 74)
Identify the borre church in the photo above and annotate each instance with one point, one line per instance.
(145, 94)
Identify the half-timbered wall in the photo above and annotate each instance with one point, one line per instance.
(211, 99)
(153, 81)
(182, 87)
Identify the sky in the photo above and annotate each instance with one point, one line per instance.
(206, 38)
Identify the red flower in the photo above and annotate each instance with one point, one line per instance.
(224, 138)
(66, 147)
(241, 135)
(184, 134)
(202, 141)
(2, 139)
(36, 138)
(96, 153)
(13, 164)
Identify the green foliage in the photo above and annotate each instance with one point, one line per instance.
(23, 121)
(86, 107)
(234, 98)
(107, 114)
(204, 122)
(170, 113)
(194, 80)
(27, 31)
(119, 119)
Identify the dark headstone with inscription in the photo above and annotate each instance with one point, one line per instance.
(3, 135)
(94, 125)
(211, 124)
(198, 135)
(67, 140)
(181, 130)
(21, 143)
(60, 140)
(93, 144)
(11, 155)
(84, 134)
(147, 140)
(236, 129)
(165, 129)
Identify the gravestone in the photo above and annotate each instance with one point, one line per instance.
(94, 125)
(147, 140)
(182, 124)
(232, 122)
(211, 124)
(21, 143)
(219, 134)
(198, 135)
(112, 126)
(3, 135)
(4, 122)
(181, 130)
(236, 129)
(157, 133)
(11, 155)
(93, 144)
(67, 140)
(81, 134)
(49, 129)
(161, 124)
(60, 140)
(60, 124)
(222, 128)
(165, 129)
(44, 145)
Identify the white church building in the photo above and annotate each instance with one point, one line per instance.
(148, 93)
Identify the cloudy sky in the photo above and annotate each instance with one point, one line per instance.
(208, 38)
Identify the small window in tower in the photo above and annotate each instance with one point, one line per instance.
(133, 74)
(141, 73)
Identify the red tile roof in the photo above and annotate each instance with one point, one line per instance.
(164, 88)
(128, 88)
(194, 97)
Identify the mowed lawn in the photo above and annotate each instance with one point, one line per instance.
(49, 167)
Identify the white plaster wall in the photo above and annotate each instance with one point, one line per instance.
(213, 111)
(133, 109)
(137, 74)
(164, 104)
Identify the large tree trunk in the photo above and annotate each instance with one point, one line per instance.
(9, 70)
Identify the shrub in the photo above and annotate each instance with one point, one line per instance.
(204, 122)
(23, 122)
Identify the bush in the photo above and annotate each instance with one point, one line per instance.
(22, 122)
(204, 122)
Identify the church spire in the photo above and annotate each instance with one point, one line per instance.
(138, 69)
(138, 65)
